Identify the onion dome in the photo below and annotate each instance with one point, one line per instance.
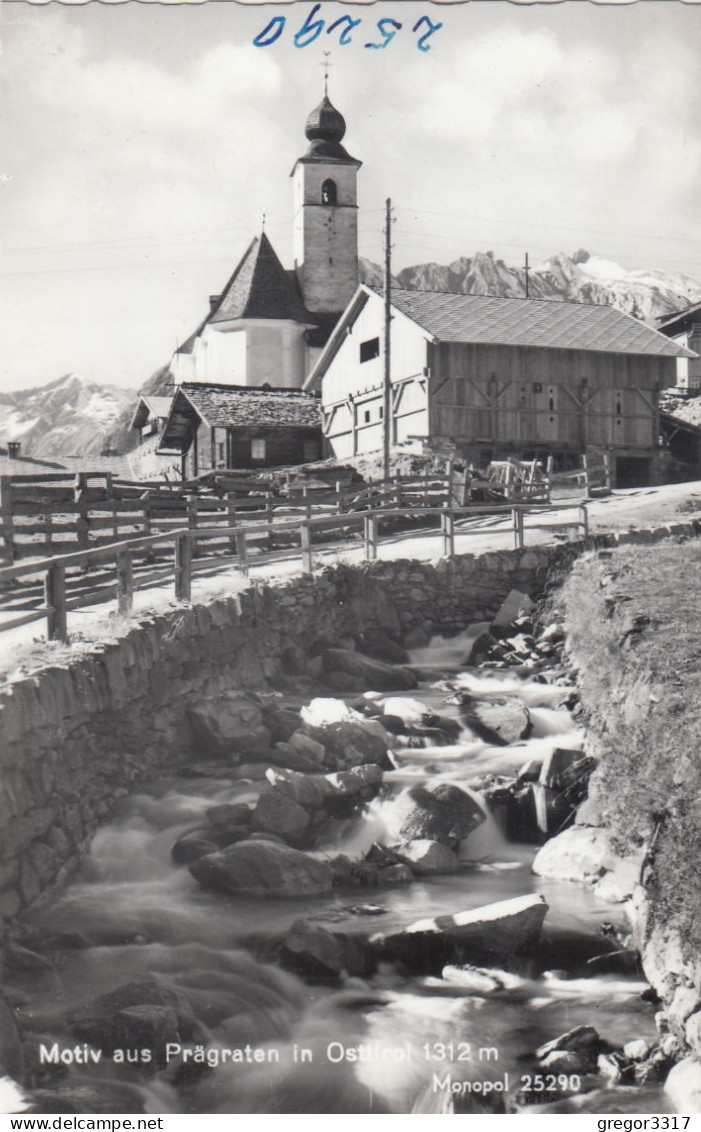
(325, 123)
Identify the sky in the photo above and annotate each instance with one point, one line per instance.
(142, 144)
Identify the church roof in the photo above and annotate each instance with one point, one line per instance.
(260, 288)
(231, 406)
(325, 130)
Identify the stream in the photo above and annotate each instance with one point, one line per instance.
(371, 1044)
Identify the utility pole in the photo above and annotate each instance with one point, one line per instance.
(387, 384)
(527, 269)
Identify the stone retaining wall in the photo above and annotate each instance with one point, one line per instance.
(77, 736)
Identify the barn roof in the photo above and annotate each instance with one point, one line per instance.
(532, 322)
(228, 406)
(679, 319)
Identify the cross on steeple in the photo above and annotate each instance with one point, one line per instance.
(326, 65)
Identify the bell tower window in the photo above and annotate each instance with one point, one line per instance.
(329, 193)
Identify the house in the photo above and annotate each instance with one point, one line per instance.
(262, 335)
(684, 328)
(498, 377)
(224, 426)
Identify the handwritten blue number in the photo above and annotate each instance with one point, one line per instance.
(345, 37)
(432, 29)
(310, 28)
(261, 40)
(387, 35)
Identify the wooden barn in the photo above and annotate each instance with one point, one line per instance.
(499, 377)
(222, 426)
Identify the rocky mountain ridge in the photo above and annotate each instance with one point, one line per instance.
(68, 417)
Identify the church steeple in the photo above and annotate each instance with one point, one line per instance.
(326, 213)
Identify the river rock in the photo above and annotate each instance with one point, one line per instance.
(350, 743)
(514, 605)
(221, 817)
(576, 1051)
(498, 931)
(192, 845)
(500, 720)
(479, 648)
(566, 769)
(263, 868)
(136, 1015)
(308, 746)
(284, 754)
(282, 723)
(444, 813)
(428, 858)
(278, 813)
(580, 854)
(375, 674)
(318, 790)
(229, 725)
(683, 1086)
(309, 949)
(379, 646)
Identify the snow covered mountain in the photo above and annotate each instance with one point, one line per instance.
(580, 278)
(68, 417)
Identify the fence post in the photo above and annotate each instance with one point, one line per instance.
(125, 582)
(6, 519)
(370, 534)
(584, 519)
(339, 497)
(607, 470)
(183, 568)
(192, 519)
(55, 597)
(305, 539)
(80, 495)
(518, 528)
(585, 469)
(448, 531)
(230, 499)
(398, 493)
(242, 550)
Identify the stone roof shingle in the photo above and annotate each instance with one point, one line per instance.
(231, 406)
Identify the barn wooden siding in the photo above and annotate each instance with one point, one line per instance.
(517, 398)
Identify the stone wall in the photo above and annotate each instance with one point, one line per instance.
(78, 735)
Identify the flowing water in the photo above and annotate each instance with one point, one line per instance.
(144, 917)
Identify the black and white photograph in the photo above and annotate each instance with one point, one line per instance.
(350, 483)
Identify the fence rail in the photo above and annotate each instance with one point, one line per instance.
(57, 585)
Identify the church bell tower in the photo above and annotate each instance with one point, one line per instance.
(326, 214)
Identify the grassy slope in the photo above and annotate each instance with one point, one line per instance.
(633, 618)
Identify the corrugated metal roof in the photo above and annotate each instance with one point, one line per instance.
(532, 322)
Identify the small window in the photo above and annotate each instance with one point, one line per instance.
(257, 449)
(220, 453)
(366, 416)
(369, 349)
(329, 194)
(382, 411)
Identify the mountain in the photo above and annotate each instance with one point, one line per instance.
(68, 417)
(580, 278)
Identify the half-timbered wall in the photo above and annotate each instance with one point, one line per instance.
(516, 398)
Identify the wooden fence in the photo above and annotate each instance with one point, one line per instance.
(55, 586)
(58, 514)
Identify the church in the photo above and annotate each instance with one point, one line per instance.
(238, 399)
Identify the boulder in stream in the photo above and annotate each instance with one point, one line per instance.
(497, 931)
(444, 813)
(136, 1015)
(229, 725)
(379, 646)
(323, 790)
(514, 605)
(500, 720)
(263, 868)
(581, 853)
(353, 742)
(683, 1086)
(427, 858)
(281, 814)
(309, 949)
(576, 1051)
(374, 674)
